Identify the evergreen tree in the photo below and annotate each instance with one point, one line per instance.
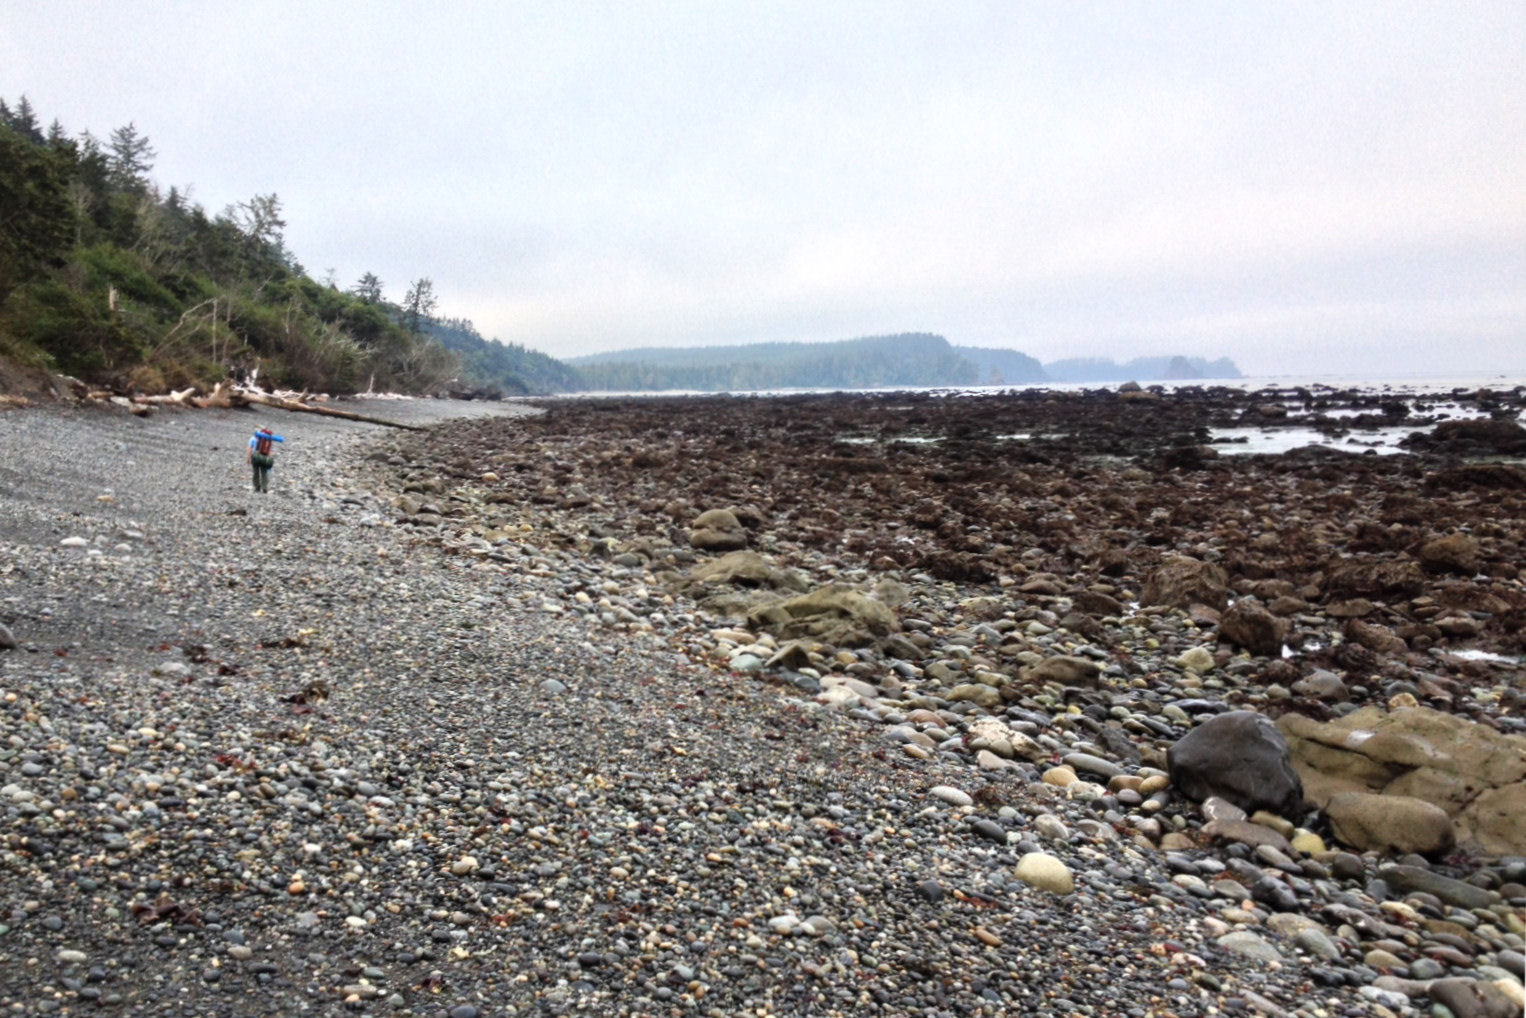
(368, 288)
(260, 220)
(131, 158)
(418, 305)
(34, 209)
(26, 123)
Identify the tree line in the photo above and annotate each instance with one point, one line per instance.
(905, 360)
(109, 277)
(910, 360)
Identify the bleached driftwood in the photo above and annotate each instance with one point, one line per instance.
(285, 403)
(180, 398)
(228, 395)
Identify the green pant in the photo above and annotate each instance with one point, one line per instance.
(261, 464)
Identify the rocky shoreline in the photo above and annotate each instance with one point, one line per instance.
(827, 705)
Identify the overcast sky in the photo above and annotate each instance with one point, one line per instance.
(1303, 187)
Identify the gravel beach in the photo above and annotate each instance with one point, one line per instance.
(400, 737)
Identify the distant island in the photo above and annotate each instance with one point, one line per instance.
(1140, 369)
(912, 359)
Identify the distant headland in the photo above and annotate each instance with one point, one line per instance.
(916, 359)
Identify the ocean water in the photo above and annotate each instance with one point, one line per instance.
(1399, 385)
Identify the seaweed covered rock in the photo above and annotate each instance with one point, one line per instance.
(1181, 581)
(834, 614)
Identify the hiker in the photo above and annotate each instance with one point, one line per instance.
(259, 455)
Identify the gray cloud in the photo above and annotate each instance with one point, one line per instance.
(1302, 187)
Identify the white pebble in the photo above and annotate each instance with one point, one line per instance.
(950, 795)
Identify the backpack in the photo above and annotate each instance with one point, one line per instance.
(262, 443)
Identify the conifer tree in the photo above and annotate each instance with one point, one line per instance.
(418, 305)
(130, 159)
(368, 288)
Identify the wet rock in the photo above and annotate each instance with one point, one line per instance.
(1374, 637)
(1250, 626)
(1239, 757)
(1483, 435)
(1489, 476)
(1181, 581)
(1455, 553)
(1366, 576)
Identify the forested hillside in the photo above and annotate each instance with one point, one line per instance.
(909, 359)
(497, 368)
(995, 366)
(107, 276)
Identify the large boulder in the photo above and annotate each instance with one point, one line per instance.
(1248, 625)
(1374, 637)
(747, 569)
(1240, 757)
(1390, 823)
(1483, 434)
(1378, 578)
(717, 530)
(1473, 773)
(1498, 476)
(1180, 582)
(833, 614)
(1454, 553)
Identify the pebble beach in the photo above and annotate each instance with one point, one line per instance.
(523, 713)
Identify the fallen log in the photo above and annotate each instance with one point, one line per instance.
(172, 399)
(281, 403)
(225, 397)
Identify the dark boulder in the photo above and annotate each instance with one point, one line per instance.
(1248, 625)
(1454, 553)
(1240, 757)
(1180, 582)
(1374, 577)
(1483, 434)
(1499, 476)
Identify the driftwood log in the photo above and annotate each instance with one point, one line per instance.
(223, 396)
(283, 403)
(226, 396)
